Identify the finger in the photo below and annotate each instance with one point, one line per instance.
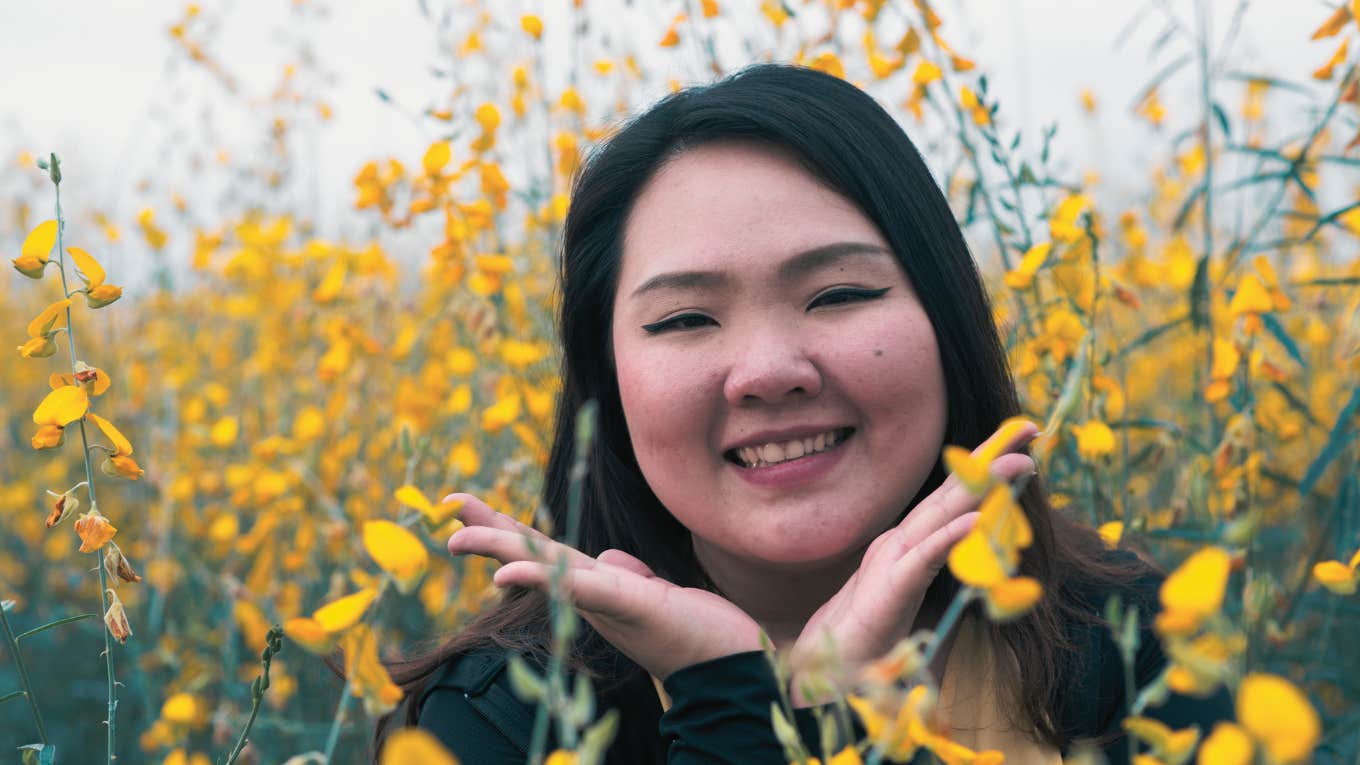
(917, 568)
(475, 512)
(508, 546)
(1004, 466)
(625, 561)
(606, 591)
(934, 514)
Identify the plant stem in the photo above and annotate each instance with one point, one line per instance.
(337, 721)
(23, 677)
(946, 624)
(89, 486)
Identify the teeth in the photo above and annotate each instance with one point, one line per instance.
(772, 453)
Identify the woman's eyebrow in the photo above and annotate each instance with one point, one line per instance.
(790, 270)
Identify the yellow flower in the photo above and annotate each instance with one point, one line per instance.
(829, 63)
(1012, 598)
(309, 634)
(975, 562)
(926, 73)
(94, 531)
(412, 497)
(121, 466)
(97, 293)
(562, 757)
(396, 551)
(973, 468)
(1171, 747)
(1341, 578)
(120, 443)
(1094, 439)
(62, 406)
(1111, 532)
(1023, 275)
(52, 318)
(1251, 297)
(415, 746)
(367, 676)
(436, 157)
(32, 260)
(1277, 715)
(184, 709)
(1227, 745)
(532, 25)
(1194, 591)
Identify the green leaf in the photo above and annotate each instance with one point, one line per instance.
(582, 702)
(1343, 431)
(598, 737)
(1278, 331)
(525, 682)
(56, 623)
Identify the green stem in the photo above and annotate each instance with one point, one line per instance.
(952, 614)
(110, 720)
(23, 676)
(337, 722)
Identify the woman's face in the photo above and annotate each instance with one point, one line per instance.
(760, 316)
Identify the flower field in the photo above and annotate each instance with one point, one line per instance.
(226, 429)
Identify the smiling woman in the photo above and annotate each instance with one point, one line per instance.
(770, 300)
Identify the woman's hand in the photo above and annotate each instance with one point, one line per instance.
(660, 626)
(878, 604)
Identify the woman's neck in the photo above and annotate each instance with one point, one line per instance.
(780, 598)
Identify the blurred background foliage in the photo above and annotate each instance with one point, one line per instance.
(1191, 337)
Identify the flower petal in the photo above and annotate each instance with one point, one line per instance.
(87, 268)
(62, 406)
(120, 442)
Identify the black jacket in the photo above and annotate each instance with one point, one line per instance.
(720, 709)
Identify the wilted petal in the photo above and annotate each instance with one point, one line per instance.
(94, 531)
(116, 618)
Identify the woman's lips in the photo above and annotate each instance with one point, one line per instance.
(802, 470)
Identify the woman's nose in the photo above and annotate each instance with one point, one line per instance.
(771, 369)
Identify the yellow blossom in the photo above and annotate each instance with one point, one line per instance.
(396, 551)
(414, 746)
(1194, 591)
(94, 531)
(37, 246)
(1278, 716)
(532, 25)
(1094, 439)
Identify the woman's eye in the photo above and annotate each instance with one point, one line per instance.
(683, 321)
(837, 297)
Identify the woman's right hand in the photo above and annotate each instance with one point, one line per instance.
(659, 625)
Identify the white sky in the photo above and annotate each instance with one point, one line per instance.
(95, 81)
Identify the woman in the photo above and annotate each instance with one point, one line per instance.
(772, 303)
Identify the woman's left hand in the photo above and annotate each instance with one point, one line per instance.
(878, 605)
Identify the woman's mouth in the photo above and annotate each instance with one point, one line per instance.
(782, 452)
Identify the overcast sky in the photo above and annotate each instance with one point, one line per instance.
(85, 77)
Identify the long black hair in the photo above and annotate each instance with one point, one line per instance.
(841, 136)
